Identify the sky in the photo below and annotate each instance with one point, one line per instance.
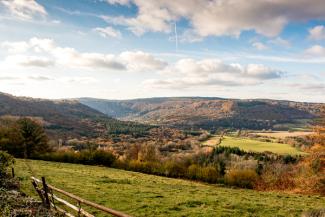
(124, 49)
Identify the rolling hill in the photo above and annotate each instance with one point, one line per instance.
(68, 118)
(208, 113)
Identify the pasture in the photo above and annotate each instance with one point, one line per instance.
(252, 145)
(283, 134)
(147, 195)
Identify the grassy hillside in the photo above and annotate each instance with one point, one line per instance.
(146, 195)
(254, 145)
(65, 117)
(208, 113)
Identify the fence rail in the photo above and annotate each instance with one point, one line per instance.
(49, 199)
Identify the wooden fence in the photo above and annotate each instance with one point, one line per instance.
(50, 200)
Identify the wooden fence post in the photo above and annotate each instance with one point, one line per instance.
(13, 172)
(45, 188)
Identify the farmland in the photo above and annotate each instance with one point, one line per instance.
(253, 145)
(147, 195)
(284, 134)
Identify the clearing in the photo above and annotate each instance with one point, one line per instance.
(148, 195)
(247, 144)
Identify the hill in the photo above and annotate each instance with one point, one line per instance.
(208, 113)
(147, 195)
(62, 117)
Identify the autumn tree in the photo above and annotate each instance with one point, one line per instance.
(23, 138)
(314, 164)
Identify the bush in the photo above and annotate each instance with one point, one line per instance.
(193, 171)
(6, 160)
(241, 178)
(174, 169)
(277, 176)
(209, 174)
(97, 157)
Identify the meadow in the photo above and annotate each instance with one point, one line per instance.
(283, 134)
(148, 195)
(253, 145)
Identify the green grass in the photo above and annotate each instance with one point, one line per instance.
(147, 195)
(255, 145)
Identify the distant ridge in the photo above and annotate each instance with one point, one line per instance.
(207, 112)
(60, 117)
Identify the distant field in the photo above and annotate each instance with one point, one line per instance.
(254, 145)
(147, 195)
(283, 134)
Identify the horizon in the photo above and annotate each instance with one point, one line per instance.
(157, 97)
(133, 49)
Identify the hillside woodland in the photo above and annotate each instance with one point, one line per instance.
(67, 131)
(208, 113)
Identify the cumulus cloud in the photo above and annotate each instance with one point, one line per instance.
(316, 50)
(46, 53)
(141, 61)
(25, 60)
(23, 9)
(218, 17)
(317, 33)
(15, 47)
(188, 73)
(108, 32)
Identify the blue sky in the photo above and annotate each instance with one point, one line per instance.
(122, 49)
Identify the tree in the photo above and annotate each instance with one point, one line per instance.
(314, 163)
(35, 140)
(11, 139)
(22, 138)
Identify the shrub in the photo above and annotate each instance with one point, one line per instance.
(174, 169)
(241, 178)
(193, 171)
(209, 174)
(277, 176)
(6, 160)
(97, 157)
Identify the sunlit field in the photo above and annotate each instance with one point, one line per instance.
(147, 195)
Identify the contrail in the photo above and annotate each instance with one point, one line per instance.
(176, 38)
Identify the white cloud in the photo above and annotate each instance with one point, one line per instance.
(219, 17)
(280, 42)
(188, 73)
(108, 32)
(141, 61)
(24, 9)
(260, 46)
(40, 78)
(24, 60)
(44, 53)
(15, 47)
(121, 2)
(317, 33)
(316, 50)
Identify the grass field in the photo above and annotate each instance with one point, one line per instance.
(254, 145)
(284, 134)
(147, 195)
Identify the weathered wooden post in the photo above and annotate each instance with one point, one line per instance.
(46, 190)
(13, 172)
